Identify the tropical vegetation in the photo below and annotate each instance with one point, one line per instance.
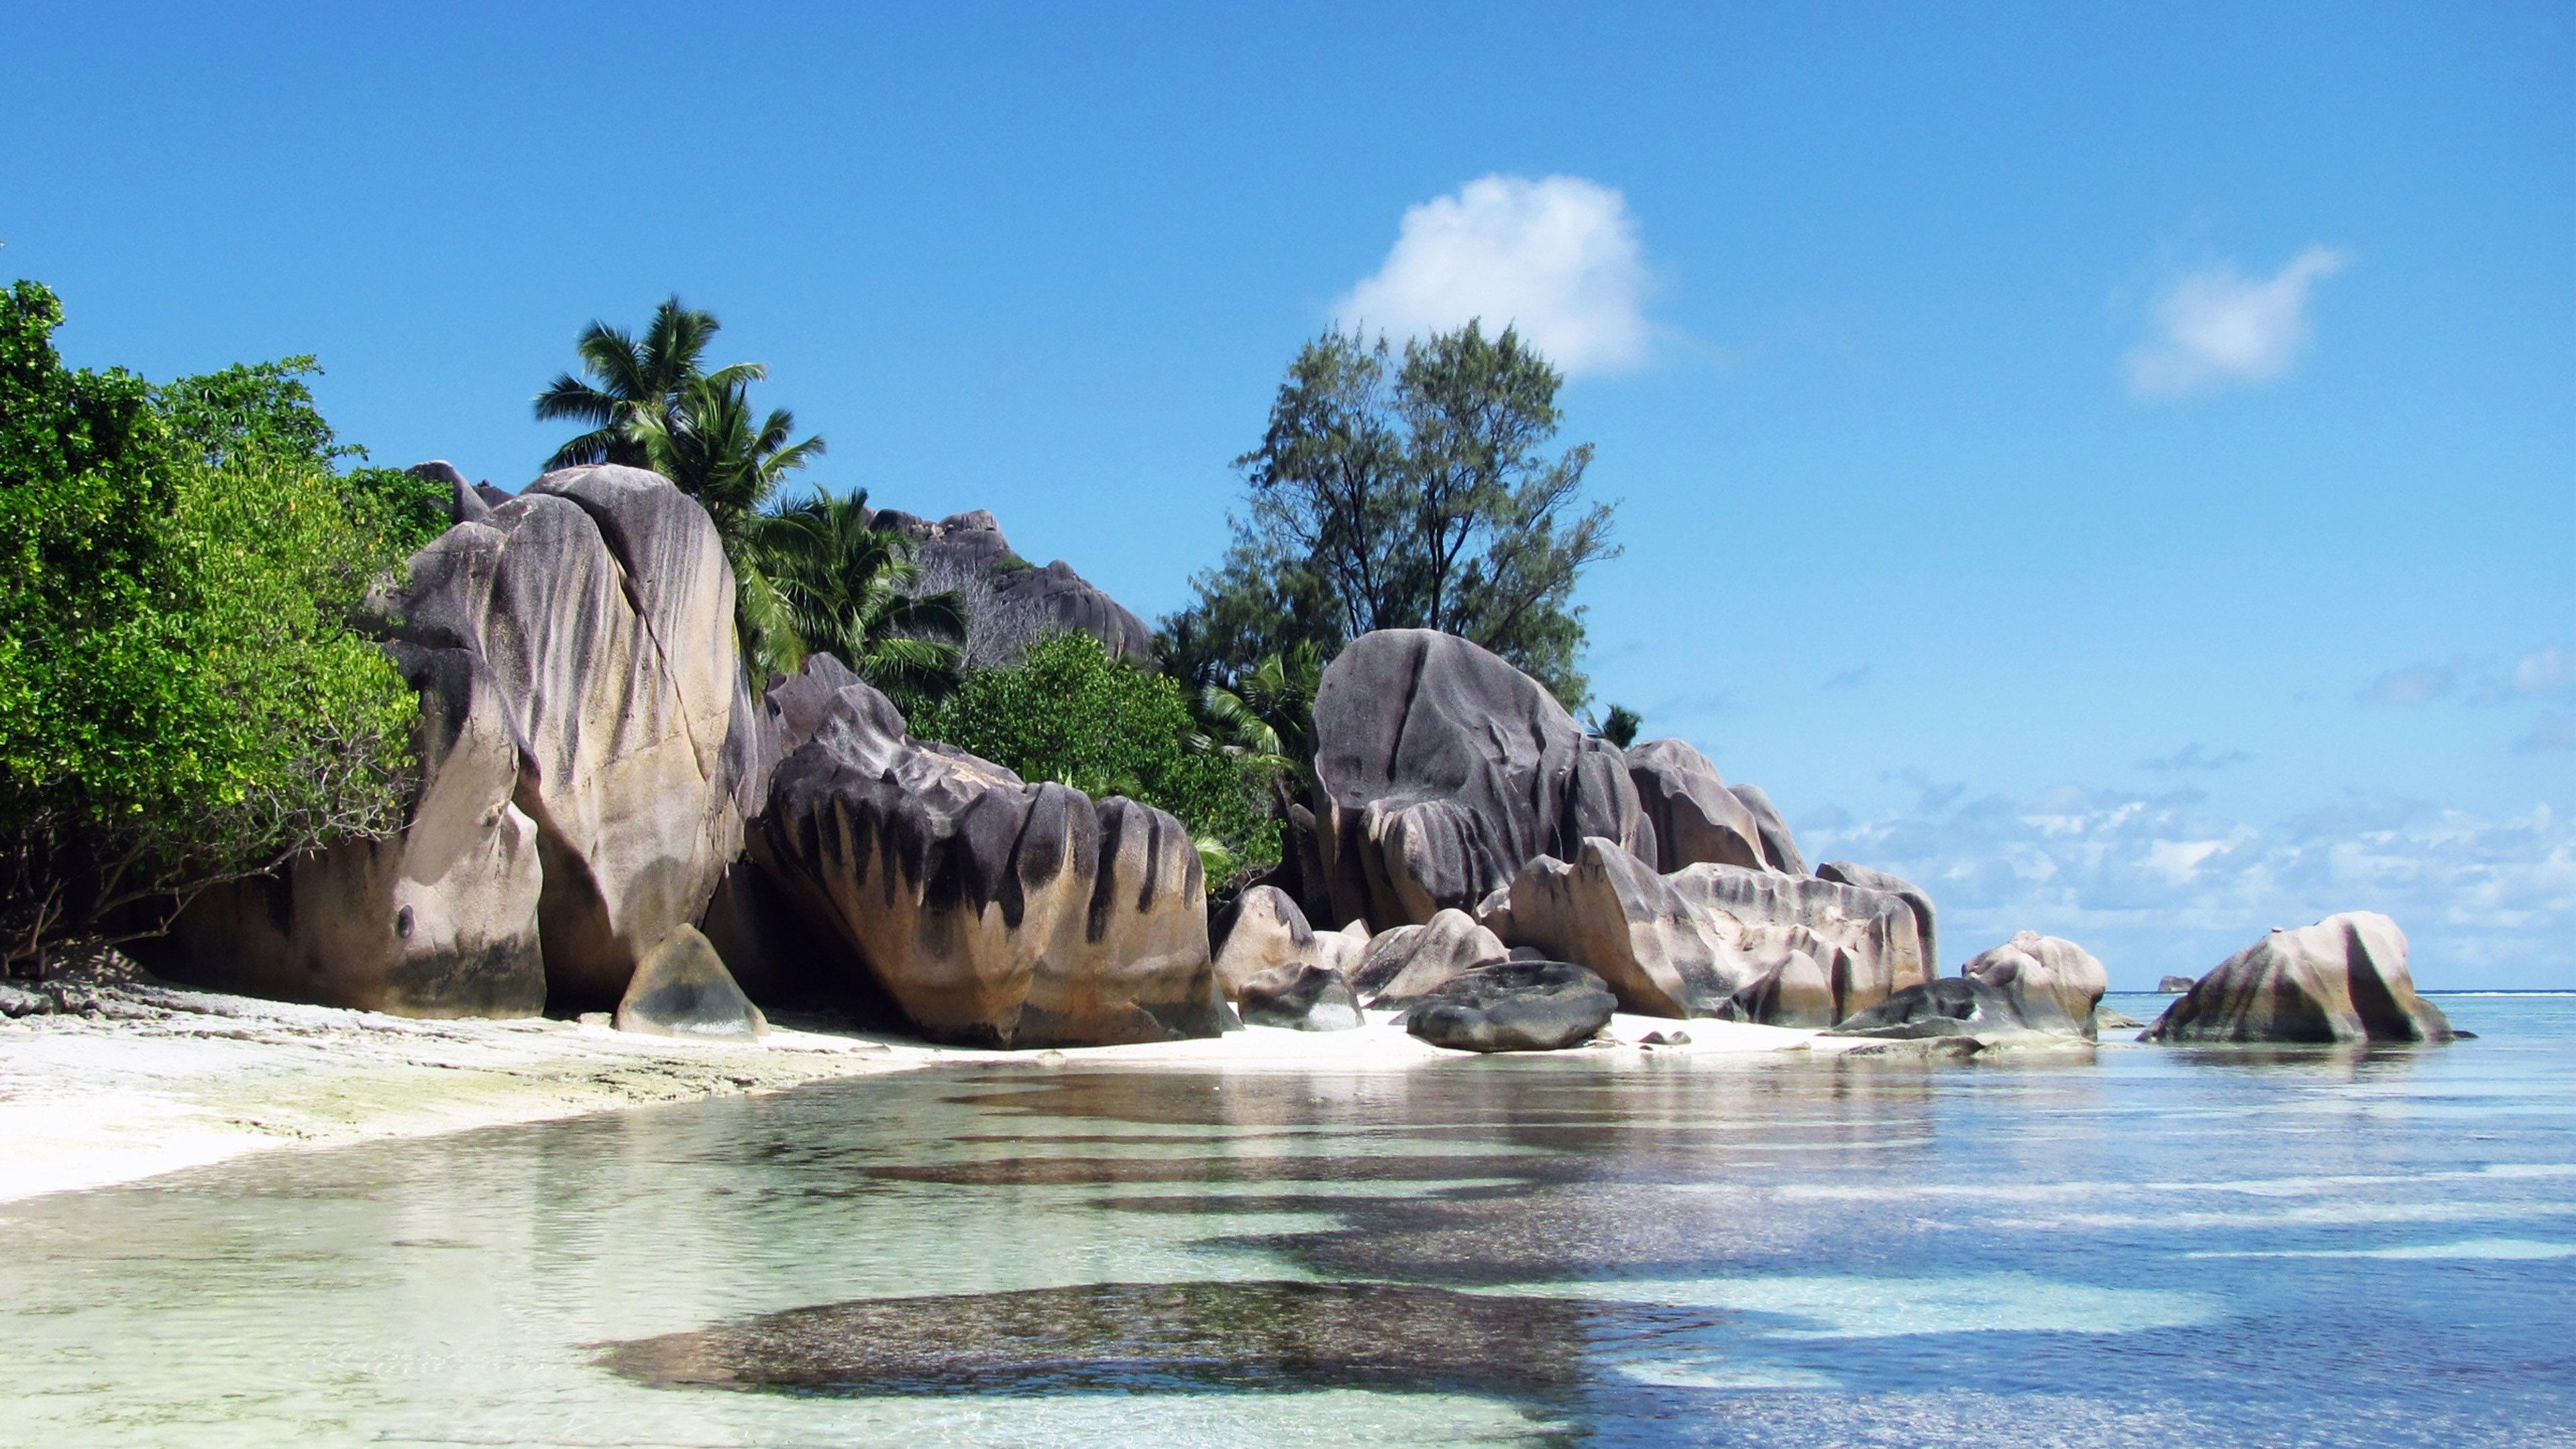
(186, 694)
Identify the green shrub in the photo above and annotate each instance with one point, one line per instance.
(1072, 714)
(183, 696)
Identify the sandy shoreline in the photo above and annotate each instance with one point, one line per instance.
(161, 1079)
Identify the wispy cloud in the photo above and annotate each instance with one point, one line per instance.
(2160, 882)
(2197, 757)
(1556, 257)
(2551, 732)
(2218, 328)
(2543, 673)
(2414, 684)
(1848, 679)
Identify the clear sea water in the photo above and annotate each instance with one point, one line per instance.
(2145, 1246)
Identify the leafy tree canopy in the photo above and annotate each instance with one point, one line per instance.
(851, 590)
(1072, 714)
(1411, 493)
(183, 698)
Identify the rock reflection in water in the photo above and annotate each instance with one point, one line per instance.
(1158, 1336)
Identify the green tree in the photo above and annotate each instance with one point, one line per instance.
(1265, 717)
(1426, 501)
(1619, 726)
(1072, 714)
(184, 698)
(850, 589)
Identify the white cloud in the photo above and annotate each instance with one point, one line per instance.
(2551, 732)
(2414, 684)
(2216, 328)
(1557, 258)
(2161, 883)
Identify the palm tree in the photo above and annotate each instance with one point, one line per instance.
(847, 589)
(632, 381)
(1267, 719)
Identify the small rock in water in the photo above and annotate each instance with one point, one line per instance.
(1665, 1038)
(2174, 985)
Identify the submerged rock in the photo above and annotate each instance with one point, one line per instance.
(1441, 770)
(681, 988)
(1514, 1006)
(1110, 1337)
(2344, 979)
(2055, 984)
(992, 911)
(1302, 997)
(1697, 819)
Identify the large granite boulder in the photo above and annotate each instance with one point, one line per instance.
(1409, 961)
(581, 740)
(1514, 1006)
(992, 911)
(438, 920)
(681, 989)
(1301, 996)
(1264, 930)
(969, 549)
(1779, 848)
(1714, 940)
(1441, 770)
(1915, 900)
(600, 601)
(2343, 979)
(1867, 940)
(1696, 817)
(2056, 984)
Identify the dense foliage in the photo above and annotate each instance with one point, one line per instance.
(1072, 714)
(183, 696)
(1411, 495)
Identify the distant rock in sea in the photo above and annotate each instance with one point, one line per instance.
(2344, 979)
(2174, 985)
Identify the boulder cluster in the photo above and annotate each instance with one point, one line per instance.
(609, 816)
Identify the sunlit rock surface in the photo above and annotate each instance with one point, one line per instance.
(1441, 770)
(1696, 817)
(992, 911)
(1264, 931)
(681, 988)
(2056, 984)
(1412, 960)
(1302, 997)
(2344, 979)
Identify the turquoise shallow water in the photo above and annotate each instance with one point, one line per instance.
(2149, 1246)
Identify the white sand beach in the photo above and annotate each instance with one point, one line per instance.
(157, 1079)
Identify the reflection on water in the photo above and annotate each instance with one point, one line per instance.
(2146, 1247)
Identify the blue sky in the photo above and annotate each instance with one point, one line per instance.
(2113, 467)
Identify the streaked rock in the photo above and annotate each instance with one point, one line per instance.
(1696, 818)
(1514, 1006)
(1409, 961)
(1301, 996)
(2056, 984)
(681, 988)
(1926, 927)
(2344, 979)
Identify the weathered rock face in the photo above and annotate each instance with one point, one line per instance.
(1865, 940)
(1267, 932)
(1696, 818)
(2174, 985)
(1514, 1006)
(1779, 849)
(1657, 952)
(991, 910)
(2055, 984)
(600, 604)
(1301, 996)
(1412, 960)
(1441, 770)
(580, 698)
(1925, 926)
(2343, 979)
(681, 988)
(972, 544)
(440, 920)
